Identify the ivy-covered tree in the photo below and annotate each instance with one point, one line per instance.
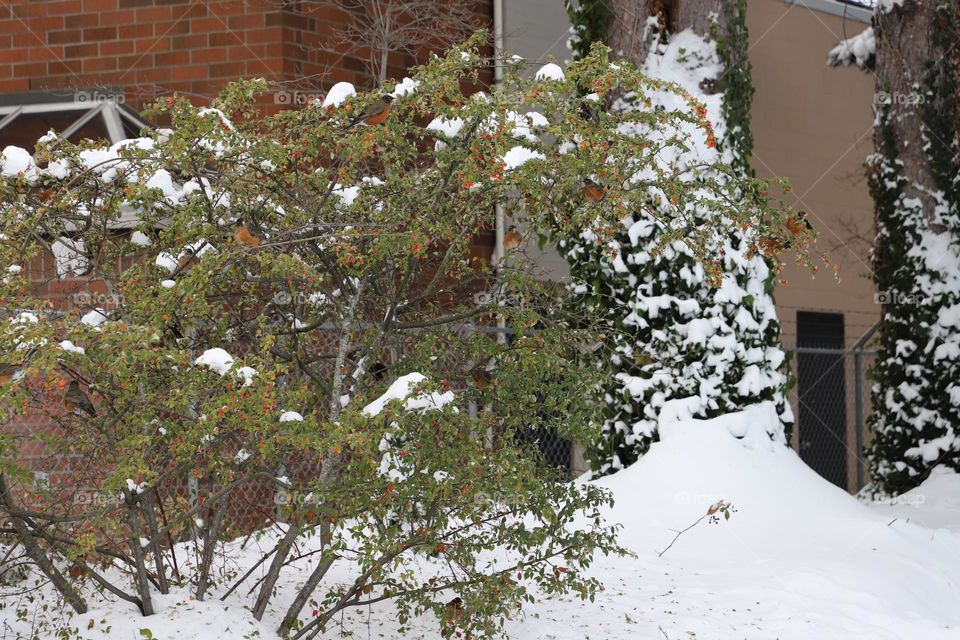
(689, 342)
(914, 179)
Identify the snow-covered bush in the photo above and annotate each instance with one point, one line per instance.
(683, 332)
(283, 273)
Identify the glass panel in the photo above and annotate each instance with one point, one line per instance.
(29, 127)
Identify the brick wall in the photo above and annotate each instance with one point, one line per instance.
(156, 47)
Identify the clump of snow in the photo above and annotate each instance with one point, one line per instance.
(549, 71)
(291, 416)
(246, 374)
(15, 161)
(400, 391)
(338, 94)
(168, 284)
(519, 155)
(404, 87)
(861, 50)
(140, 239)
(66, 345)
(166, 261)
(94, 318)
(14, 269)
(215, 359)
(446, 127)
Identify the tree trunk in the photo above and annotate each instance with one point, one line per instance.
(904, 63)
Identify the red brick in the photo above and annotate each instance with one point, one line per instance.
(227, 70)
(153, 75)
(29, 70)
(154, 14)
(14, 55)
(118, 18)
(100, 33)
(45, 54)
(118, 48)
(207, 25)
(64, 6)
(135, 31)
(102, 63)
(83, 20)
(255, 36)
(71, 67)
(70, 36)
(190, 72)
(208, 55)
(13, 86)
(81, 50)
(151, 45)
(171, 58)
(98, 5)
(248, 21)
(191, 42)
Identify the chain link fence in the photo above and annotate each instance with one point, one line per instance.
(831, 404)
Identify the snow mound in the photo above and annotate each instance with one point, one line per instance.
(934, 504)
(800, 558)
(338, 94)
(549, 71)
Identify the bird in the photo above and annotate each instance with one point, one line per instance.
(186, 258)
(588, 113)
(243, 235)
(375, 113)
(592, 191)
(512, 238)
(454, 611)
(77, 400)
(10, 372)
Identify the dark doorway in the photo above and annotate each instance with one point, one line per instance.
(821, 389)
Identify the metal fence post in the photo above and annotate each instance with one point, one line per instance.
(858, 411)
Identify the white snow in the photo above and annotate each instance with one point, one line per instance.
(338, 94)
(15, 160)
(859, 50)
(518, 156)
(401, 388)
(447, 127)
(66, 345)
(215, 359)
(94, 318)
(798, 560)
(140, 239)
(549, 71)
(404, 87)
(291, 416)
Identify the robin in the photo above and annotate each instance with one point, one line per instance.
(454, 611)
(588, 113)
(10, 372)
(375, 113)
(512, 238)
(243, 235)
(77, 400)
(592, 191)
(186, 259)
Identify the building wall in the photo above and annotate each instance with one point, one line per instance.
(152, 48)
(813, 125)
(537, 30)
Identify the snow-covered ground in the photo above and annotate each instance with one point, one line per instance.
(799, 558)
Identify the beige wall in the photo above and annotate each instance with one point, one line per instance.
(813, 125)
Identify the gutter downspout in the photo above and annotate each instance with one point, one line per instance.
(500, 221)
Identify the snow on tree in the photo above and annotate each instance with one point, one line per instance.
(286, 272)
(914, 179)
(689, 342)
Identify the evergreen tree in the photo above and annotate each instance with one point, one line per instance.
(916, 258)
(690, 342)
